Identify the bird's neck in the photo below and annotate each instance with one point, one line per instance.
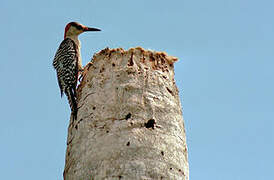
(75, 40)
(78, 44)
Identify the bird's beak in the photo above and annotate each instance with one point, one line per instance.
(91, 29)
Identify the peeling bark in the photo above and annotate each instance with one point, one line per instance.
(129, 123)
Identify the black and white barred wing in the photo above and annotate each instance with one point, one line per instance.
(65, 64)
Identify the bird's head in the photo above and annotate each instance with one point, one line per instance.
(74, 29)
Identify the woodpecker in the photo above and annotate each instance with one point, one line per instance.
(68, 64)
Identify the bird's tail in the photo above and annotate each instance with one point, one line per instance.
(72, 102)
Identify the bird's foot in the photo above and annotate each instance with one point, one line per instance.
(81, 74)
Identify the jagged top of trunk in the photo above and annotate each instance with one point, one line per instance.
(147, 59)
(151, 53)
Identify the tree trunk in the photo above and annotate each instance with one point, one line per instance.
(129, 123)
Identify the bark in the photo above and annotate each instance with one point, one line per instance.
(129, 123)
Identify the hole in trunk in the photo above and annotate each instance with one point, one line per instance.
(150, 124)
(128, 116)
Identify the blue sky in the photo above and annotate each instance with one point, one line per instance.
(225, 77)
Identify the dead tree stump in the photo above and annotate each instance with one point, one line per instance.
(129, 123)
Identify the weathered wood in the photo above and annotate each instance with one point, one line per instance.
(130, 123)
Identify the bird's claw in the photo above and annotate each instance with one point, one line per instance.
(81, 72)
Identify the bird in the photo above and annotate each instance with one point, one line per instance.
(68, 63)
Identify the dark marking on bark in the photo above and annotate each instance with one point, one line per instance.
(143, 59)
(102, 69)
(162, 152)
(70, 141)
(150, 124)
(170, 91)
(131, 60)
(120, 177)
(182, 172)
(128, 143)
(151, 57)
(128, 116)
(76, 126)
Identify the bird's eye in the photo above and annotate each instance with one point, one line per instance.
(79, 27)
